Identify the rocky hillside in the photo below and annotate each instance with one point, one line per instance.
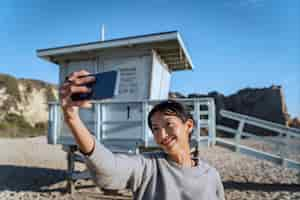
(23, 105)
(264, 103)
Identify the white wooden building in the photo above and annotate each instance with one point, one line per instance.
(145, 64)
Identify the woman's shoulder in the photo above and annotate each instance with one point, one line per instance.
(205, 167)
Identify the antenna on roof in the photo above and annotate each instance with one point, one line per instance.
(102, 32)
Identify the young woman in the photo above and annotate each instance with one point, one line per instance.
(171, 174)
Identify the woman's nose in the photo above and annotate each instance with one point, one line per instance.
(162, 133)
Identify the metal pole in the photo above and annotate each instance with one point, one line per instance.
(102, 32)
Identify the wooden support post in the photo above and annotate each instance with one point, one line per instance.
(70, 170)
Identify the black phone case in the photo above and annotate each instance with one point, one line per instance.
(105, 86)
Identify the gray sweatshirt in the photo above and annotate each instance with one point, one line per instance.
(154, 176)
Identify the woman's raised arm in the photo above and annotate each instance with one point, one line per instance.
(74, 84)
(107, 169)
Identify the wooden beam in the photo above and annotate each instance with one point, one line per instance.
(180, 54)
(171, 59)
(176, 66)
(175, 63)
(168, 50)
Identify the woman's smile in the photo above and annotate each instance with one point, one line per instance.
(169, 141)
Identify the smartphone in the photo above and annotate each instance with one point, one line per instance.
(105, 86)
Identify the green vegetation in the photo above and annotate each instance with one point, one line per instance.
(39, 85)
(14, 125)
(49, 94)
(11, 84)
(31, 83)
(8, 103)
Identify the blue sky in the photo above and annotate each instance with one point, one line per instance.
(233, 43)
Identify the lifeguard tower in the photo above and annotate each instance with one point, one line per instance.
(145, 64)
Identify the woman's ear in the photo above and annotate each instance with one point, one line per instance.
(190, 125)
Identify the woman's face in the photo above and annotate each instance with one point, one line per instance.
(170, 132)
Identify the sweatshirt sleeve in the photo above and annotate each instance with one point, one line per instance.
(220, 188)
(115, 171)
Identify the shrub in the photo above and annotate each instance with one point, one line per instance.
(15, 125)
(49, 94)
(11, 84)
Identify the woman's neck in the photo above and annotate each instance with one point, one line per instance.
(182, 157)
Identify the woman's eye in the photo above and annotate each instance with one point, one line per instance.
(170, 124)
(154, 129)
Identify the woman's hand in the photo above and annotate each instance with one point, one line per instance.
(74, 83)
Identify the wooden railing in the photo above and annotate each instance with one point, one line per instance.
(282, 142)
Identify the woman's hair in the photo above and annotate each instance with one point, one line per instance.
(171, 108)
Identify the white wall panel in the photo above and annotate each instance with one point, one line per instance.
(134, 76)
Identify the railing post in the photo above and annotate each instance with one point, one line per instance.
(101, 121)
(238, 135)
(283, 149)
(213, 122)
(145, 124)
(98, 122)
(209, 117)
(52, 125)
(137, 149)
(197, 118)
(59, 124)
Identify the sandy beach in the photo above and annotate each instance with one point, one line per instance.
(32, 169)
